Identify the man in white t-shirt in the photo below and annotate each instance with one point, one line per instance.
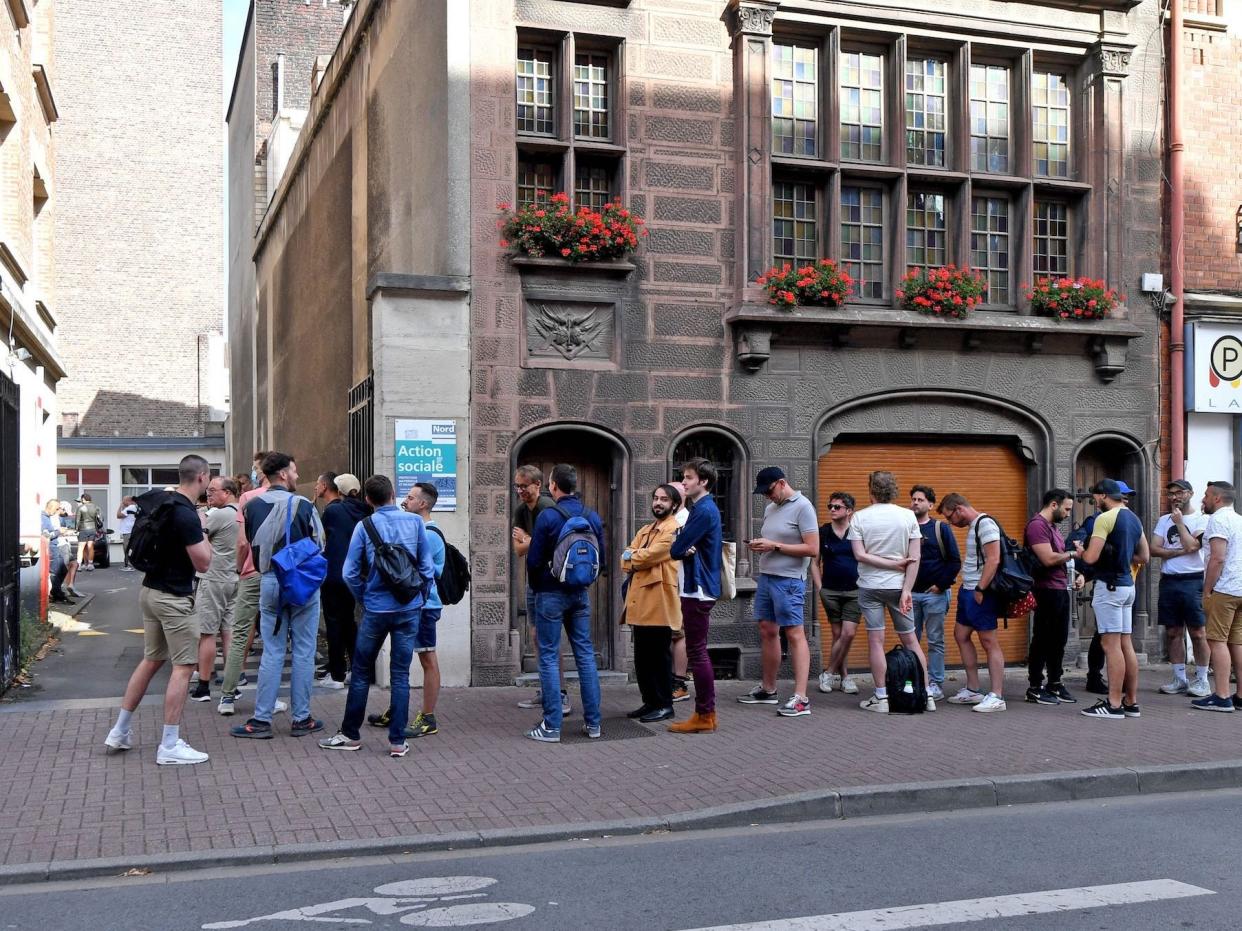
(1222, 593)
(125, 515)
(977, 613)
(887, 544)
(1178, 541)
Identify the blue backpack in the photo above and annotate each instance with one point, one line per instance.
(300, 567)
(575, 561)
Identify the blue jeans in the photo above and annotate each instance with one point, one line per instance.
(301, 625)
(929, 612)
(402, 626)
(571, 611)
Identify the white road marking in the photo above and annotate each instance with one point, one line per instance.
(963, 910)
(460, 916)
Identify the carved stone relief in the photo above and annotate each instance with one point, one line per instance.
(570, 330)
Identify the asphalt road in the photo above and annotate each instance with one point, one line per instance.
(1134, 864)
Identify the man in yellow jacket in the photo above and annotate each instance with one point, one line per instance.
(653, 605)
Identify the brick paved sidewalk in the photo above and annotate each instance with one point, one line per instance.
(64, 799)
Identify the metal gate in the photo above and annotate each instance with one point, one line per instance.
(10, 621)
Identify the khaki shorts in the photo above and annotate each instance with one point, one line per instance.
(169, 627)
(841, 607)
(213, 605)
(1224, 617)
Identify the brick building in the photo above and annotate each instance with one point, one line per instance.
(1019, 138)
(1211, 250)
(139, 242)
(283, 50)
(31, 365)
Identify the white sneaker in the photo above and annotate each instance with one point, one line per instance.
(931, 703)
(990, 702)
(181, 754)
(1199, 688)
(1176, 687)
(327, 682)
(280, 706)
(826, 683)
(935, 692)
(966, 696)
(875, 703)
(118, 740)
(849, 686)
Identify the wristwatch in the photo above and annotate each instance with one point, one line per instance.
(776, 547)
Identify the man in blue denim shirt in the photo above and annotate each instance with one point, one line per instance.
(383, 615)
(557, 606)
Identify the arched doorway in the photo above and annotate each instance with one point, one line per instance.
(600, 460)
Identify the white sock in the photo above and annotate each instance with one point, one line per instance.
(1179, 671)
(1201, 672)
(172, 733)
(123, 718)
(881, 692)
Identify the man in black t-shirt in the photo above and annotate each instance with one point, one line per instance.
(835, 574)
(170, 628)
(532, 501)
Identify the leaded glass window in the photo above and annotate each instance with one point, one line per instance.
(926, 231)
(794, 229)
(795, 100)
(989, 118)
(862, 239)
(926, 111)
(1050, 251)
(862, 106)
(1050, 129)
(989, 245)
(591, 96)
(536, 111)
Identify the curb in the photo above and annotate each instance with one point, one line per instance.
(815, 805)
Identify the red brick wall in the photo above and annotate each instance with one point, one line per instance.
(1213, 171)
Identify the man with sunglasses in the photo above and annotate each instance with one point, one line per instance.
(834, 572)
(790, 539)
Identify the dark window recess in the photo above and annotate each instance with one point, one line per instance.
(725, 456)
(362, 428)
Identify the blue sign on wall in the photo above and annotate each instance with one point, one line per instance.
(426, 451)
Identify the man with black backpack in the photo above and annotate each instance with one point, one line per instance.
(169, 547)
(939, 563)
(566, 551)
(390, 571)
(978, 613)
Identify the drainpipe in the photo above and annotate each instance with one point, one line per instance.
(1177, 336)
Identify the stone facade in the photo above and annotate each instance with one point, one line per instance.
(139, 230)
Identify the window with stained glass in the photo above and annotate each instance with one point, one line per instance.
(794, 228)
(926, 111)
(591, 96)
(989, 118)
(862, 239)
(926, 231)
(592, 185)
(989, 245)
(1050, 124)
(1050, 249)
(536, 180)
(862, 106)
(795, 100)
(536, 108)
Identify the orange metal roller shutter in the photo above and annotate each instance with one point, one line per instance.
(992, 477)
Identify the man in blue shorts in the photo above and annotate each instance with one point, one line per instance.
(977, 612)
(789, 541)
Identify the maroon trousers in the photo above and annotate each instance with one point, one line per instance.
(695, 616)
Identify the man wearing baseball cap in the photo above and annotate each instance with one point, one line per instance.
(1177, 540)
(1117, 543)
(345, 509)
(790, 539)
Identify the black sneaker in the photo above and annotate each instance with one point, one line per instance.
(1131, 711)
(1237, 703)
(1102, 709)
(757, 696)
(202, 692)
(1062, 694)
(1097, 687)
(1041, 696)
(308, 726)
(380, 720)
(424, 726)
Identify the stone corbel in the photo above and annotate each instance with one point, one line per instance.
(1113, 61)
(908, 338)
(1109, 355)
(752, 17)
(753, 346)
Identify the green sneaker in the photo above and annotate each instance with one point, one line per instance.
(424, 726)
(380, 720)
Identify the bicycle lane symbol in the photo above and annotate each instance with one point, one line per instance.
(411, 900)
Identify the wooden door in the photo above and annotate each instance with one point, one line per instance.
(991, 476)
(592, 458)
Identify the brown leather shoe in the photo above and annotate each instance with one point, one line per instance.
(695, 724)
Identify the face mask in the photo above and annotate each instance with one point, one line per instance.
(254, 476)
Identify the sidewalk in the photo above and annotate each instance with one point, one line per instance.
(64, 799)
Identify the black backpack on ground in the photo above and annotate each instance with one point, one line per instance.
(154, 507)
(452, 582)
(907, 689)
(395, 566)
